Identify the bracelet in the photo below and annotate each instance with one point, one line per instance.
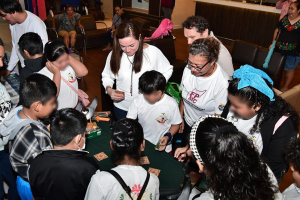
(170, 137)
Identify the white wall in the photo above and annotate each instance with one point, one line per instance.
(143, 4)
(183, 9)
(107, 6)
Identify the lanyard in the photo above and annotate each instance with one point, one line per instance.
(132, 64)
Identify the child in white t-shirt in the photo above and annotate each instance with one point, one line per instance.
(157, 112)
(293, 156)
(60, 68)
(128, 142)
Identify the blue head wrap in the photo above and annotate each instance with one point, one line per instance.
(253, 77)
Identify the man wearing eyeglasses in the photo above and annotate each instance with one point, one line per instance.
(20, 22)
(196, 27)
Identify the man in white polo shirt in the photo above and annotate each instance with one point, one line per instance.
(20, 22)
(196, 27)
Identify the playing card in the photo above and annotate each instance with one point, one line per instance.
(154, 171)
(144, 160)
(100, 156)
(119, 92)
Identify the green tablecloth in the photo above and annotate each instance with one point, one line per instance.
(171, 173)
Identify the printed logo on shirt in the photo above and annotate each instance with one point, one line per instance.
(194, 95)
(71, 78)
(162, 118)
(221, 107)
(135, 191)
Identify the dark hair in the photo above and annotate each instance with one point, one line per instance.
(117, 5)
(127, 137)
(69, 6)
(293, 154)
(67, 124)
(297, 3)
(37, 87)
(53, 50)
(234, 167)
(253, 97)
(1, 42)
(124, 30)
(32, 43)
(197, 22)
(151, 81)
(206, 47)
(10, 6)
(125, 17)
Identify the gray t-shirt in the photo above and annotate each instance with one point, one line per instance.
(116, 20)
(67, 24)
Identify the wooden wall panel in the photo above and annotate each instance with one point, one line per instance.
(239, 23)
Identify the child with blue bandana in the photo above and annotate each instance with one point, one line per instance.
(268, 120)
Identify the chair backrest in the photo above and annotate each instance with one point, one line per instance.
(292, 96)
(142, 24)
(48, 23)
(88, 22)
(166, 46)
(244, 52)
(276, 64)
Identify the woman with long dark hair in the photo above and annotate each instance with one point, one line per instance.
(268, 120)
(129, 59)
(230, 162)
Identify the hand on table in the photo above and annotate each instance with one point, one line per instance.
(114, 96)
(182, 153)
(163, 143)
(52, 68)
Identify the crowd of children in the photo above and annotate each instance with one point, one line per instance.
(236, 130)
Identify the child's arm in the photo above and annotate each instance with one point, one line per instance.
(56, 75)
(133, 109)
(165, 140)
(79, 68)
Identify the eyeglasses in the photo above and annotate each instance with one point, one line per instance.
(195, 66)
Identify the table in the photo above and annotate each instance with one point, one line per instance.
(171, 173)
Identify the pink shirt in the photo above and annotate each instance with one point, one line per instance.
(284, 6)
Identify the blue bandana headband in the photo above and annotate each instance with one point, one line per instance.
(253, 77)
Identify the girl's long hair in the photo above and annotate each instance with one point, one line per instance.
(233, 165)
(253, 97)
(126, 29)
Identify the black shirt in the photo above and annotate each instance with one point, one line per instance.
(61, 175)
(31, 66)
(289, 39)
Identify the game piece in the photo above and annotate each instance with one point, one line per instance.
(119, 92)
(157, 146)
(154, 171)
(100, 156)
(144, 161)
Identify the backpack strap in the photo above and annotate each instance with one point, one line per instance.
(121, 181)
(144, 187)
(280, 122)
(126, 187)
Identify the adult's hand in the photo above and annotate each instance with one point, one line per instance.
(183, 153)
(113, 95)
(270, 46)
(80, 26)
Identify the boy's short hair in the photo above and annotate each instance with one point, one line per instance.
(293, 154)
(151, 81)
(32, 43)
(37, 87)
(10, 6)
(67, 124)
(197, 22)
